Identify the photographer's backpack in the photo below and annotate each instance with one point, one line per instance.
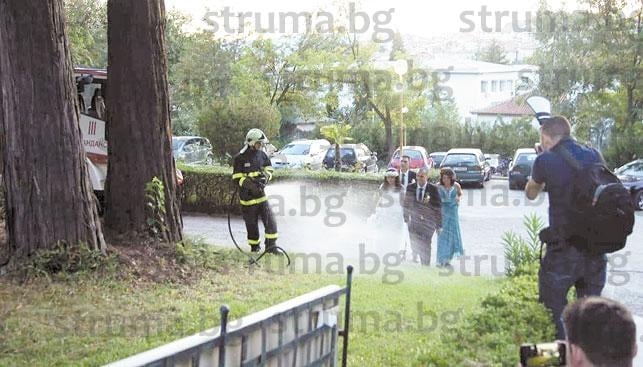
(602, 208)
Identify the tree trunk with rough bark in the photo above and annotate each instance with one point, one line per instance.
(138, 127)
(48, 195)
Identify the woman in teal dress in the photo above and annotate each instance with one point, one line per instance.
(449, 239)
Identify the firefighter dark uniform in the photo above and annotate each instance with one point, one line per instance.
(252, 170)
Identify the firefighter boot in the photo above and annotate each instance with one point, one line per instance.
(271, 247)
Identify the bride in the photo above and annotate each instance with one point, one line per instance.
(388, 229)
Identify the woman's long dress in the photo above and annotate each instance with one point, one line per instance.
(449, 241)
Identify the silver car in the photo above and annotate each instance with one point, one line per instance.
(192, 150)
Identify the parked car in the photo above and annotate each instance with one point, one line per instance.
(419, 158)
(520, 169)
(192, 150)
(469, 165)
(354, 157)
(437, 158)
(301, 154)
(631, 175)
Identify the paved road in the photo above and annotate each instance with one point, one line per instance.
(334, 221)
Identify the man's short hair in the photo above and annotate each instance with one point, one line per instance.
(604, 329)
(556, 127)
(424, 170)
(406, 157)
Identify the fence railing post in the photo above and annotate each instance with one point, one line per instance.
(224, 310)
(347, 311)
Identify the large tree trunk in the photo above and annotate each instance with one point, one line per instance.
(138, 127)
(48, 194)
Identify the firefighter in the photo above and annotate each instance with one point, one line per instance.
(252, 171)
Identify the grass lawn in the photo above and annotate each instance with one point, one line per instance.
(91, 319)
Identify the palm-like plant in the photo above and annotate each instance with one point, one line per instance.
(337, 134)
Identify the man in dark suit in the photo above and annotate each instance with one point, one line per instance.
(422, 211)
(407, 176)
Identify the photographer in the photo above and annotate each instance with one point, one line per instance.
(565, 264)
(600, 332)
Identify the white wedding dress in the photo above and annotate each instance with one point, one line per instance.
(388, 232)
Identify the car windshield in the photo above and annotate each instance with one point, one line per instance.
(460, 160)
(344, 152)
(413, 154)
(528, 158)
(631, 169)
(296, 149)
(177, 143)
(437, 158)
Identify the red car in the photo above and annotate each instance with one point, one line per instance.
(419, 158)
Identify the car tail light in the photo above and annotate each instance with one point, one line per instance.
(476, 168)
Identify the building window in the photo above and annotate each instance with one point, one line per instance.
(510, 85)
(494, 86)
(503, 85)
(483, 87)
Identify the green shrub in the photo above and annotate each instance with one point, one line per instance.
(155, 206)
(211, 189)
(492, 335)
(63, 260)
(522, 255)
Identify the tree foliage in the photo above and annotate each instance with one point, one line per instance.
(494, 52)
(590, 67)
(337, 134)
(86, 24)
(226, 120)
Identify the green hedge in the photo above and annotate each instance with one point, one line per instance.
(210, 189)
(492, 335)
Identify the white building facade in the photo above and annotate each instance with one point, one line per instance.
(474, 85)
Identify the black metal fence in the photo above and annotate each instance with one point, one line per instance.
(300, 332)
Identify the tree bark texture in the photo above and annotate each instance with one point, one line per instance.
(48, 194)
(138, 127)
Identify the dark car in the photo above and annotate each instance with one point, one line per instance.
(469, 166)
(520, 170)
(192, 150)
(419, 158)
(354, 157)
(437, 158)
(631, 175)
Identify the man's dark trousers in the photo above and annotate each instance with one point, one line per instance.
(421, 234)
(562, 267)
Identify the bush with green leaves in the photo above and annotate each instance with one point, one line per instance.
(523, 255)
(155, 206)
(63, 260)
(492, 335)
(211, 189)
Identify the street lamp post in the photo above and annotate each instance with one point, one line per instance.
(401, 68)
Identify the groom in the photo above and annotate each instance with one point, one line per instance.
(422, 211)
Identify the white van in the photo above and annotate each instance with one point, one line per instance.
(301, 154)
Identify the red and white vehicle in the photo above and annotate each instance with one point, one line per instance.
(92, 87)
(92, 91)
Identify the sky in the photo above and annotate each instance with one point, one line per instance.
(408, 16)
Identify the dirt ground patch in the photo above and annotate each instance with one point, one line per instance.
(150, 261)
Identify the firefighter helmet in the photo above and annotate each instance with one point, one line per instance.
(256, 136)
